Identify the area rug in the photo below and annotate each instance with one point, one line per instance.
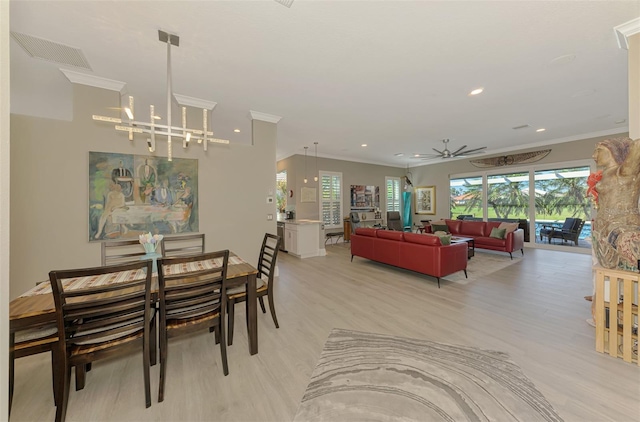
(483, 264)
(372, 377)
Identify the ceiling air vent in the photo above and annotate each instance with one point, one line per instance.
(51, 51)
(520, 127)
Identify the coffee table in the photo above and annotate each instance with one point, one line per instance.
(471, 242)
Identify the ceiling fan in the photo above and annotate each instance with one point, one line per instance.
(445, 153)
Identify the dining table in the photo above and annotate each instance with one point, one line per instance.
(36, 307)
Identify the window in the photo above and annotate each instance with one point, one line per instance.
(281, 191)
(466, 197)
(331, 199)
(393, 193)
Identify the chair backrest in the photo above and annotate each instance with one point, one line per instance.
(355, 221)
(191, 286)
(394, 221)
(577, 228)
(268, 257)
(183, 245)
(122, 252)
(95, 305)
(569, 224)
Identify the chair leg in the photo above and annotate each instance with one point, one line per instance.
(61, 410)
(511, 255)
(216, 333)
(351, 258)
(272, 309)
(231, 305)
(522, 250)
(56, 374)
(81, 372)
(438, 282)
(465, 274)
(146, 364)
(264, 311)
(223, 346)
(12, 337)
(163, 363)
(153, 343)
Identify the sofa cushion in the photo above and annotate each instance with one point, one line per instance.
(454, 226)
(473, 228)
(445, 238)
(510, 227)
(491, 225)
(422, 239)
(390, 234)
(498, 233)
(490, 243)
(366, 231)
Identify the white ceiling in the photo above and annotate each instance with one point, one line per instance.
(392, 74)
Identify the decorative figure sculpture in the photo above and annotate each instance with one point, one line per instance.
(616, 230)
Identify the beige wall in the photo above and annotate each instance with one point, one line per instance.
(438, 174)
(352, 174)
(49, 188)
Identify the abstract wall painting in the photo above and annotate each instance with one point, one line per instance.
(134, 194)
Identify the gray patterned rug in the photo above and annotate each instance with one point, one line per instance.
(373, 377)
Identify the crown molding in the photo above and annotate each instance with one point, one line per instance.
(626, 30)
(271, 118)
(92, 80)
(184, 100)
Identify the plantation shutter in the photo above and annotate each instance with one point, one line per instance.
(331, 199)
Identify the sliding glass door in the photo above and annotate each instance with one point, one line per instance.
(544, 197)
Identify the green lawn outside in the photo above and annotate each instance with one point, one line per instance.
(477, 212)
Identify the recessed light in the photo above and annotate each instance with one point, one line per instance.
(236, 130)
(541, 129)
(416, 155)
(363, 145)
(399, 154)
(156, 117)
(476, 91)
(620, 121)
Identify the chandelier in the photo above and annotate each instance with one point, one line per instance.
(154, 127)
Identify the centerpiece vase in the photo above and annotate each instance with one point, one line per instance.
(150, 249)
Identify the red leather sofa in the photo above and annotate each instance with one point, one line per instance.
(416, 252)
(480, 231)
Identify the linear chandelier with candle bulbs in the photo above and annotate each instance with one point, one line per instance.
(154, 127)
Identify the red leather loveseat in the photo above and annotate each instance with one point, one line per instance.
(416, 252)
(480, 231)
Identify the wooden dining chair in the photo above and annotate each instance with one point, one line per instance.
(264, 281)
(102, 312)
(183, 245)
(190, 299)
(122, 252)
(29, 341)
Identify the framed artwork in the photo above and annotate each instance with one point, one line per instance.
(425, 200)
(131, 195)
(365, 197)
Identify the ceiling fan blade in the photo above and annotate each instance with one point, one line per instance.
(458, 150)
(439, 152)
(472, 151)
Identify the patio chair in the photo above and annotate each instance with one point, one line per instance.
(570, 230)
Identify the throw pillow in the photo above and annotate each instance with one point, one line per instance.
(511, 227)
(439, 228)
(498, 233)
(445, 238)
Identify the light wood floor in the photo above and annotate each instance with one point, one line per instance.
(534, 310)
